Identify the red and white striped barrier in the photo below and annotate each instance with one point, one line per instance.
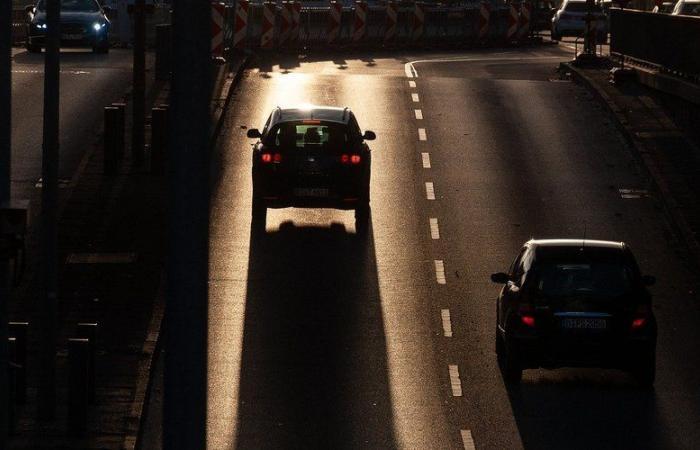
(418, 22)
(285, 23)
(218, 10)
(512, 22)
(240, 24)
(334, 13)
(296, 17)
(267, 35)
(360, 26)
(484, 20)
(391, 22)
(525, 19)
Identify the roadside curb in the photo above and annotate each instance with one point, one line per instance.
(153, 343)
(670, 205)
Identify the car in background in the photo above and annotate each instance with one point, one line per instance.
(311, 157)
(665, 8)
(575, 303)
(687, 8)
(570, 20)
(84, 23)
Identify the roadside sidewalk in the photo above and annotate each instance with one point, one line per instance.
(671, 158)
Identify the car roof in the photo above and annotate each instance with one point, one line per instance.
(306, 112)
(576, 243)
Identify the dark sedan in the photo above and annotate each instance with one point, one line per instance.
(83, 24)
(575, 303)
(311, 157)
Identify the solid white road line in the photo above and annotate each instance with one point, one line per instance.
(467, 440)
(415, 98)
(411, 71)
(412, 84)
(426, 160)
(440, 272)
(455, 382)
(421, 134)
(446, 322)
(429, 190)
(434, 228)
(419, 114)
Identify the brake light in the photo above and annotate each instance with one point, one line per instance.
(268, 158)
(311, 122)
(640, 318)
(527, 315)
(350, 159)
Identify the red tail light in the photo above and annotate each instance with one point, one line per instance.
(527, 315)
(268, 158)
(350, 159)
(640, 318)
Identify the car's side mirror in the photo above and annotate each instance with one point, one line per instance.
(648, 280)
(254, 133)
(369, 136)
(29, 8)
(500, 278)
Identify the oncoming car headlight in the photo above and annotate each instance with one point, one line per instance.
(98, 26)
(41, 26)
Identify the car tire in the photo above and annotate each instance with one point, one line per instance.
(645, 372)
(511, 369)
(362, 219)
(258, 217)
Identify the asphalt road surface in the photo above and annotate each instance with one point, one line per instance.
(320, 339)
(88, 83)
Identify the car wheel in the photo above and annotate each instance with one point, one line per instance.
(259, 216)
(362, 219)
(645, 372)
(511, 369)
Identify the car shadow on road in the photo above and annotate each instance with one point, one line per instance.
(313, 368)
(587, 412)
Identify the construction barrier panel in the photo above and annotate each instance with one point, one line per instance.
(418, 22)
(484, 20)
(360, 24)
(513, 21)
(391, 22)
(217, 29)
(240, 24)
(267, 36)
(334, 16)
(525, 19)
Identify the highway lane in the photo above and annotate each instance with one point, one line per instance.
(88, 83)
(321, 340)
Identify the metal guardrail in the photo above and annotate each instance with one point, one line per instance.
(670, 42)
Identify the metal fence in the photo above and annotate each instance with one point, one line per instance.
(671, 42)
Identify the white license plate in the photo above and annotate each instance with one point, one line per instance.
(584, 324)
(311, 192)
(71, 37)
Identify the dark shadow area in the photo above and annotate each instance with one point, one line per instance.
(585, 413)
(67, 57)
(313, 371)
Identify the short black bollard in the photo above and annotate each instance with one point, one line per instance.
(159, 139)
(78, 358)
(111, 139)
(19, 330)
(121, 129)
(89, 331)
(163, 52)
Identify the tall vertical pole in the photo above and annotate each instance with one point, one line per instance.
(5, 159)
(185, 399)
(139, 83)
(49, 208)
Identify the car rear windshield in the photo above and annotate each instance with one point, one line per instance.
(581, 7)
(73, 5)
(315, 134)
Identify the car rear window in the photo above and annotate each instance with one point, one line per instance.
(591, 280)
(581, 7)
(309, 133)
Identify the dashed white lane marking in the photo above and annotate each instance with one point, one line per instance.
(419, 114)
(467, 440)
(440, 272)
(415, 98)
(422, 136)
(426, 160)
(434, 228)
(412, 84)
(455, 382)
(446, 322)
(429, 190)
(410, 70)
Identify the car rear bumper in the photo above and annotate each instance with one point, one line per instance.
(621, 354)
